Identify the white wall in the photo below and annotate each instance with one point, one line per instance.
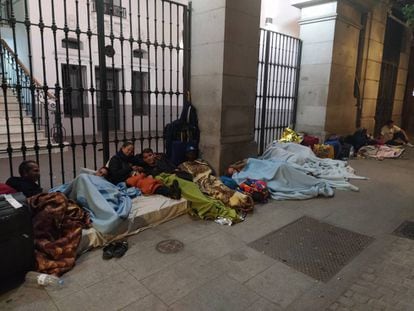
(285, 16)
(167, 72)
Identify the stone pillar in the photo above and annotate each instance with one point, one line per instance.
(330, 33)
(224, 54)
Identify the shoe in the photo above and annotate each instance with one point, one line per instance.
(120, 249)
(409, 145)
(175, 190)
(108, 251)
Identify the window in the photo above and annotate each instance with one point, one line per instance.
(112, 7)
(73, 79)
(140, 93)
(71, 43)
(139, 53)
(5, 12)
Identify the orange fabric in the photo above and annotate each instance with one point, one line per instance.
(147, 184)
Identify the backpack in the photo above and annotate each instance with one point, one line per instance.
(182, 133)
(257, 189)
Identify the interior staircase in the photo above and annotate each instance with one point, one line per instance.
(32, 136)
(17, 129)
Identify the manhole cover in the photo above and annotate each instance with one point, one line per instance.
(315, 248)
(405, 230)
(169, 246)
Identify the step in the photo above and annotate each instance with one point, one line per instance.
(12, 113)
(16, 128)
(11, 100)
(17, 136)
(15, 121)
(31, 151)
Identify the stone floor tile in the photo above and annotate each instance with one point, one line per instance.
(144, 239)
(30, 298)
(257, 226)
(176, 281)
(148, 303)
(280, 284)
(214, 246)
(148, 261)
(193, 231)
(244, 263)
(222, 293)
(92, 270)
(113, 293)
(263, 305)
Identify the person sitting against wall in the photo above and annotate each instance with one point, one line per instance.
(394, 135)
(27, 182)
(199, 204)
(123, 164)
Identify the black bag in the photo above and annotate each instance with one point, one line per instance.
(16, 242)
(182, 133)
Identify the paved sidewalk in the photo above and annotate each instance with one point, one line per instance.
(217, 270)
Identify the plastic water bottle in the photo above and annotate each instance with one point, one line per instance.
(43, 279)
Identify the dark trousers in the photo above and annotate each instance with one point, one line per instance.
(398, 135)
(163, 190)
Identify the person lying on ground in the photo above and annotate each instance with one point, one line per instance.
(200, 205)
(149, 185)
(27, 182)
(123, 164)
(211, 185)
(394, 135)
(107, 204)
(155, 164)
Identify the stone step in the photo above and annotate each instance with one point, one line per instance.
(15, 121)
(16, 128)
(12, 113)
(30, 150)
(17, 136)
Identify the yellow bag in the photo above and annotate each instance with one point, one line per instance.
(324, 151)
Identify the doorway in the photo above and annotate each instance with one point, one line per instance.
(389, 71)
(112, 80)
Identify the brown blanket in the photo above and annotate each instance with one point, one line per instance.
(57, 228)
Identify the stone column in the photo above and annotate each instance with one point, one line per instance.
(330, 33)
(224, 42)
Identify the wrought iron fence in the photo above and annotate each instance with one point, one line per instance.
(277, 86)
(81, 77)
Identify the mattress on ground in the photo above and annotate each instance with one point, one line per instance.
(146, 212)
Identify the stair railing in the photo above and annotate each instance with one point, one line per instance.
(14, 69)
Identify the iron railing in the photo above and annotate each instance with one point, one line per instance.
(110, 78)
(277, 86)
(16, 76)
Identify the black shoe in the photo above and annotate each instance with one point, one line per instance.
(175, 191)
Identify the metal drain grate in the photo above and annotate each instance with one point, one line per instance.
(405, 230)
(315, 248)
(169, 246)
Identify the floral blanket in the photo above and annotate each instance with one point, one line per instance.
(57, 228)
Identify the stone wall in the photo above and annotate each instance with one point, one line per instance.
(225, 36)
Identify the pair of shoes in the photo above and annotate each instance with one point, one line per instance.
(175, 191)
(115, 249)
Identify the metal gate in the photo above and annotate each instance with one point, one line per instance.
(81, 77)
(277, 86)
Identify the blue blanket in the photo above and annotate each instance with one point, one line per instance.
(106, 203)
(283, 180)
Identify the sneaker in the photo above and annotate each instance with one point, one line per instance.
(175, 190)
(409, 145)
